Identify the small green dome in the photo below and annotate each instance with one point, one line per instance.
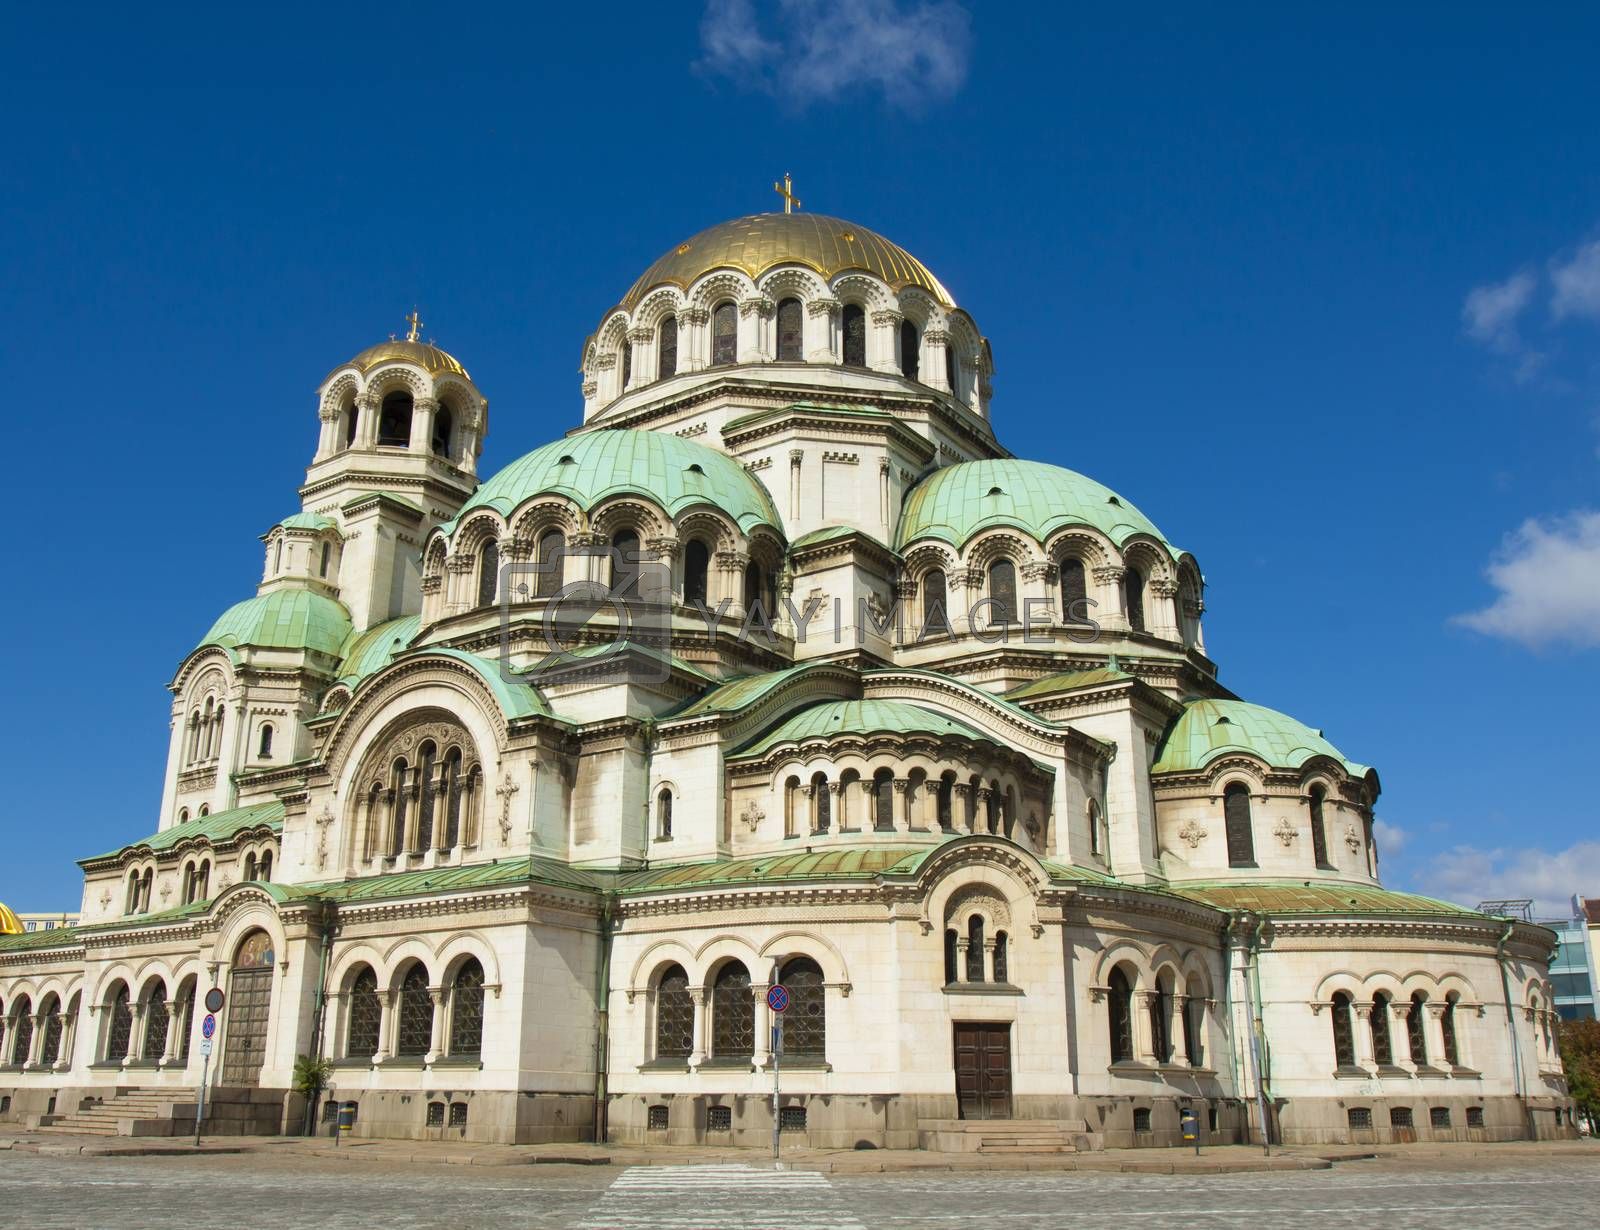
(372, 650)
(858, 717)
(954, 503)
(1212, 728)
(283, 619)
(306, 521)
(596, 465)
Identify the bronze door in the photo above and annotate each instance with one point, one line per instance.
(983, 1070)
(245, 1041)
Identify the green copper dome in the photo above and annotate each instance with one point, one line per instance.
(372, 650)
(859, 717)
(956, 502)
(596, 465)
(283, 619)
(1212, 728)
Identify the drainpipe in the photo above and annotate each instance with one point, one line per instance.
(320, 1004)
(1247, 937)
(1517, 1082)
(1263, 1056)
(602, 1041)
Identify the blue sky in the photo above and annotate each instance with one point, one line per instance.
(1321, 295)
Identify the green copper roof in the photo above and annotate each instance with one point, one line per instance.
(860, 717)
(447, 879)
(850, 863)
(738, 693)
(372, 650)
(50, 937)
(1301, 897)
(517, 699)
(215, 828)
(1211, 728)
(1069, 681)
(306, 521)
(954, 503)
(596, 465)
(283, 619)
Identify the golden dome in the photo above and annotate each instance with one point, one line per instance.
(10, 924)
(759, 242)
(424, 354)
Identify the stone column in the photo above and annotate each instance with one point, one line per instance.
(884, 510)
(1433, 1026)
(1108, 593)
(1178, 1031)
(327, 436)
(1144, 1042)
(754, 330)
(962, 947)
(934, 370)
(902, 804)
(643, 363)
(840, 802)
(884, 341)
(1363, 1031)
(436, 1038)
(697, 1054)
(693, 343)
(422, 415)
(822, 331)
(796, 457)
(980, 816)
(388, 1023)
(763, 1042)
(1163, 596)
(366, 420)
(961, 813)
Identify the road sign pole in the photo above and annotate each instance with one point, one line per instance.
(200, 1106)
(777, 1054)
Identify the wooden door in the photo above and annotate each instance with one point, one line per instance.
(245, 1041)
(983, 1070)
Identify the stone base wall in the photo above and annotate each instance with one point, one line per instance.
(504, 1117)
(1328, 1121)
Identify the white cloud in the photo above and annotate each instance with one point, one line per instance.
(1490, 311)
(1391, 837)
(1575, 284)
(1469, 875)
(913, 51)
(1548, 575)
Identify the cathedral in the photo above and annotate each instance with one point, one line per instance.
(512, 794)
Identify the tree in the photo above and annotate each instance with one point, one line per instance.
(311, 1076)
(1580, 1056)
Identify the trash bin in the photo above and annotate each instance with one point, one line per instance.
(347, 1117)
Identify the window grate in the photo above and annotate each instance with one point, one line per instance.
(719, 1118)
(458, 1114)
(1474, 1116)
(1141, 1119)
(435, 1114)
(792, 1119)
(1360, 1117)
(1400, 1117)
(1439, 1117)
(656, 1119)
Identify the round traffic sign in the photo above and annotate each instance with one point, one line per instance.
(215, 999)
(778, 997)
(208, 1027)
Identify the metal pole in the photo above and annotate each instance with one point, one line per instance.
(200, 1108)
(777, 1052)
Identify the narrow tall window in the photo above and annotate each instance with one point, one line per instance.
(322, 568)
(625, 564)
(935, 613)
(854, 324)
(664, 815)
(1002, 592)
(1001, 957)
(1344, 1038)
(821, 804)
(22, 1032)
(366, 1016)
(1236, 820)
(696, 569)
(674, 1015)
(264, 867)
(415, 1035)
(249, 867)
(1094, 827)
(752, 585)
(627, 363)
(1194, 1020)
(791, 342)
(156, 1020)
(667, 349)
(552, 557)
(791, 796)
(951, 948)
(1319, 834)
(452, 798)
(724, 335)
(466, 1009)
(427, 797)
(394, 420)
(1447, 1026)
(1133, 597)
(952, 370)
(805, 1024)
(975, 953)
(265, 748)
(1074, 592)
(50, 1052)
(883, 800)
(733, 1013)
(1119, 1001)
(400, 792)
(351, 419)
(945, 803)
(1161, 1024)
(1382, 1048)
(119, 1028)
(488, 572)
(1415, 1039)
(909, 359)
(443, 429)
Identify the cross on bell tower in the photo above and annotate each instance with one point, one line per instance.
(786, 190)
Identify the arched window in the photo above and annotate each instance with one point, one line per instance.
(883, 800)
(696, 568)
(1002, 592)
(277, 557)
(1074, 592)
(466, 1009)
(1119, 1002)
(733, 1013)
(22, 1032)
(945, 802)
(752, 585)
(791, 797)
(552, 556)
(991, 809)
(1161, 1022)
(724, 335)
(1236, 819)
(1194, 1019)
(952, 370)
(394, 420)
(855, 335)
(1447, 1027)
(1319, 834)
(452, 798)
(322, 567)
(156, 1020)
(935, 610)
(951, 948)
(1344, 1038)
(427, 796)
(146, 882)
(249, 867)
(1415, 1040)
(400, 791)
(443, 428)
(909, 360)
(488, 572)
(264, 749)
(119, 1025)
(664, 815)
(791, 338)
(667, 349)
(203, 887)
(50, 1051)
(1382, 1048)
(1001, 957)
(674, 1015)
(627, 363)
(366, 1016)
(821, 804)
(625, 564)
(132, 906)
(805, 1024)
(264, 867)
(1094, 826)
(415, 1035)
(975, 953)
(352, 417)
(1133, 597)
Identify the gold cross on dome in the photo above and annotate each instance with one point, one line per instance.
(786, 190)
(415, 322)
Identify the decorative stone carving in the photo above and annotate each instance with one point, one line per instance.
(752, 815)
(506, 790)
(1192, 833)
(1285, 832)
(324, 822)
(1352, 838)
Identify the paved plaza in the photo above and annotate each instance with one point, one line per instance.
(268, 1189)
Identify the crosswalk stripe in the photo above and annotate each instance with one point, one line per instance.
(720, 1197)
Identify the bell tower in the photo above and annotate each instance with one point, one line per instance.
(402, 426)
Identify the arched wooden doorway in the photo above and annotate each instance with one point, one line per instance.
(244, 1044)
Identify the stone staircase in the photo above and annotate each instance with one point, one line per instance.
(1005, 1136)
(126, 1112)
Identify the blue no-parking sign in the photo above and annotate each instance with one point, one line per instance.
(208, 1027)
(778, 997)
